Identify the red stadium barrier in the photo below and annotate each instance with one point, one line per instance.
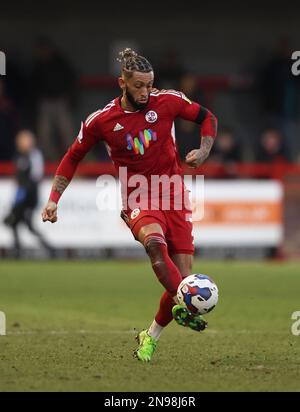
(209, 170)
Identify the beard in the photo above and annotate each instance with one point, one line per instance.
(134, 104)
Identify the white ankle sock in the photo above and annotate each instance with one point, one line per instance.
(155, 330)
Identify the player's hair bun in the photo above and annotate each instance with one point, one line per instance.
(126, 54)
(131, 62)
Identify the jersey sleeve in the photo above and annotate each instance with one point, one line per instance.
(84, 142)
(181, 106)
(87, 137)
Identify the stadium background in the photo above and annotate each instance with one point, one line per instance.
(223, 56)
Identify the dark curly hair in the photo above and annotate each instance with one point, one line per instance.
(132, 62)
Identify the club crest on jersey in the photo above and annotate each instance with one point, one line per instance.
(142, 142)
(151, 116)
(135, 213)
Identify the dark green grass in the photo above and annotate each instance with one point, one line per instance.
(71, 327)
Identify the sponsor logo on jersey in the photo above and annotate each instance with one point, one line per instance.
(135, 213)
(142, 142)
(151, 116)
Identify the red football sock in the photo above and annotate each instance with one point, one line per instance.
(163, 266)
(164, 314)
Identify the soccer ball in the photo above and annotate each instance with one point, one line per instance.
(198, 293)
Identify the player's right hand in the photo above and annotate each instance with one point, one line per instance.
(49, 212)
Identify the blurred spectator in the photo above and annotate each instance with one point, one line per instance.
(226, 151)
(280, 94)
(169, 70)
(187, 133)
(189, 86)
(53, 85)
(187, 137)
(271, 149)
(29, 172)
(8, 124)
(226, 148)
(16, 78)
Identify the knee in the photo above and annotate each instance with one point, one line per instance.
(155, 247)
(156, 251)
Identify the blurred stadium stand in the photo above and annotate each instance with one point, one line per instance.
(234, 52)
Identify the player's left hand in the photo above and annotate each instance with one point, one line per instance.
(196, 157)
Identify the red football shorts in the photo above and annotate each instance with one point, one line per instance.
(176, 225)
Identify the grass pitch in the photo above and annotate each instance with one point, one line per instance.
(71, 327)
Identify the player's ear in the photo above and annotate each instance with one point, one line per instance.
(121, 82)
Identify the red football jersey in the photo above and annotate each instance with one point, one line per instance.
(142, 141)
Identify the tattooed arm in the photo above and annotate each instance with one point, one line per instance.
(208, 128)
(66, 170)
(60, 183)
(49, 213)
(196, 157)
